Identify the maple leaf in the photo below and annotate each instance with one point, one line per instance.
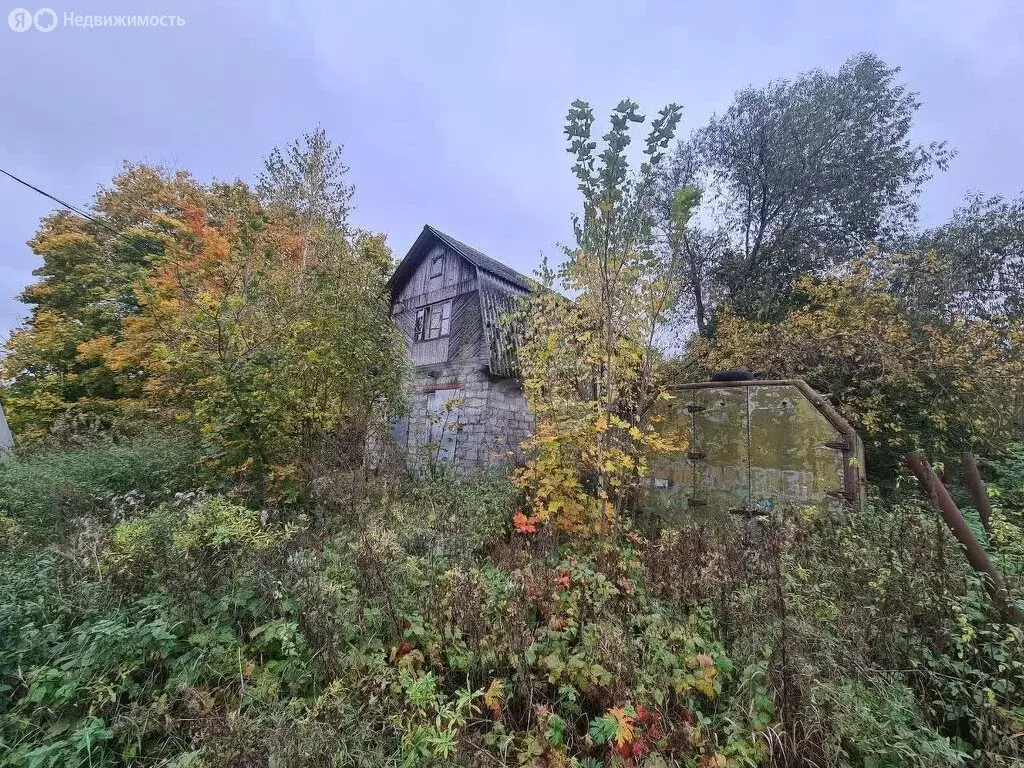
(524, 524)
(624, 733)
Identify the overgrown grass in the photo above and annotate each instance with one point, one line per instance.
(47, 490)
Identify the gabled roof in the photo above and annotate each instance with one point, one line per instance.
(482, 261)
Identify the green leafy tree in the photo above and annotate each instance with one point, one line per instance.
(798, 176)
(972, 266)
(308, 180)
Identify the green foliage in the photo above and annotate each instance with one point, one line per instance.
(977, 262)
(410, 630)
(881, 726)
(413, 626)
(941, 387)
(308, 179)
(453, 519)
(101, 478)
(806, 172)
(877, 641)
(107, 662)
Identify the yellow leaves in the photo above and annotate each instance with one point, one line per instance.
(700, 677)
(493, 697)
(717, 760)
(95, 348)
(619, 422)
(624, 733)
(586, 382)
(411, 660)
(64, 241)
(552, 343)
(933, 385)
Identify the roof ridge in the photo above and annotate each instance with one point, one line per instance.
(482, 260)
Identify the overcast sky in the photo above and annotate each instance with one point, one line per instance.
(451, 112)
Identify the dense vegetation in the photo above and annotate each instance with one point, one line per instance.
(197, 569)
(409, 624)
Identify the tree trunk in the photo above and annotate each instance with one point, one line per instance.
(976, 556)
(976, 485)
(697, 288)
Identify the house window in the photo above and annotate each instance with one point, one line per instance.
(437, 266)
(433, 321)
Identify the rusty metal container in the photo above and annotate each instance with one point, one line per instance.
(754, 446)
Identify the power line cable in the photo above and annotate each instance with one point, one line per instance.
(69, 206)
(87, 216)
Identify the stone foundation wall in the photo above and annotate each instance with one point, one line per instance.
(486, 425)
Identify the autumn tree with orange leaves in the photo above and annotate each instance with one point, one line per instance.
(258, 319)
(270, 334)
(57, 384)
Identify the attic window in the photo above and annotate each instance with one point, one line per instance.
(433, 321)
(436, 266)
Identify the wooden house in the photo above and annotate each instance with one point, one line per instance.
(466, 401)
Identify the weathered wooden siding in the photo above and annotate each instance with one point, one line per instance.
(430, 351)
(467, 341)
(456, 283)
(422, 290)
(497, 298)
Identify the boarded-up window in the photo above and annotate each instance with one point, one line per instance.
(433, 321)
(436, 274)
(398, 426)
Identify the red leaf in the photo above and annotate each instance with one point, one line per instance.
(524, 524)
(563, 578)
